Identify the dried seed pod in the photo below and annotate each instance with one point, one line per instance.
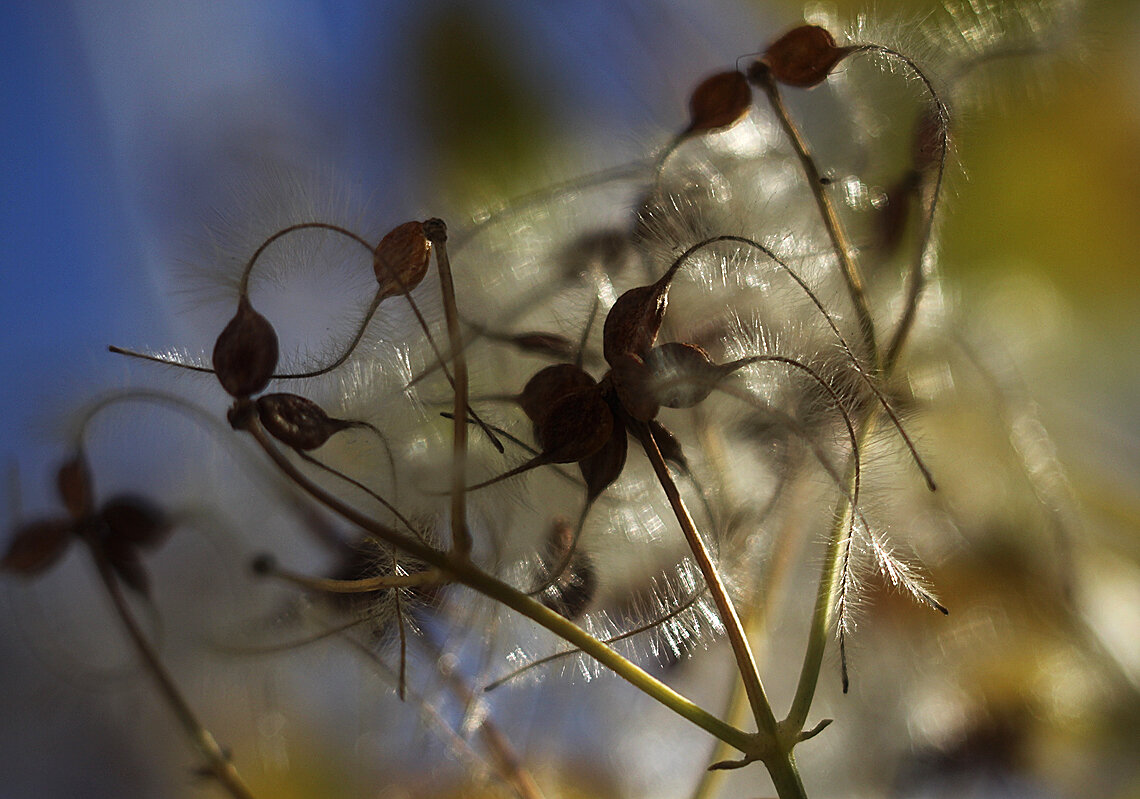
(632, 381)
(73, 480)
(36, 546)
(400, 260)
(719, 101)
(577, 426)
(682, 374)
(245, 354)
(634, 321)
(135, 521)
(605, 466)
(548, 386)
(803, 57)
(296, 421)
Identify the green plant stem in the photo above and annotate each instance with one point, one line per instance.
(843, 249)
(217, 762)
(825, 602)
(462, 570)
(785, 775)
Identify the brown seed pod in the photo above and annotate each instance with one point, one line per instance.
(632, 381)
(400, 260)
(803, 57)
(548, 386)
(719, 101)
(245, 354)
(603, 467)
(296, 421)
(36, 546)
(634, 321)
(135, 521)
(74, 484)
(682, 374)
(577, 426)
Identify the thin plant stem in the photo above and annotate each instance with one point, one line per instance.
(436, 231)
(367, 585)
(824, 609)
(502, 753)
(218, 763)
(916, 280)
(746, 664)
(843, 247)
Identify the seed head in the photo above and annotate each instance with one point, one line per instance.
(719, 101)
(803, 57)
(245, 355)
(400, 260)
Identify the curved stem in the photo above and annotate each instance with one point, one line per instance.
(824, 610)
(843, 248)
(917, 278)
(243, 288)
(217, 761)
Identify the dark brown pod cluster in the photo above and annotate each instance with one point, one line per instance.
(563, 401)
(803, 57)
(245, 354)
(118, 531)
(127, 526)
(298, 422)
(719, 101)
(400, 260)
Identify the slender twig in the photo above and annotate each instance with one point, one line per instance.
(757, 698)
(824, 610)
(436, 231)
(916, 280)
(218, 763)
(843, 248)
(502, 753)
